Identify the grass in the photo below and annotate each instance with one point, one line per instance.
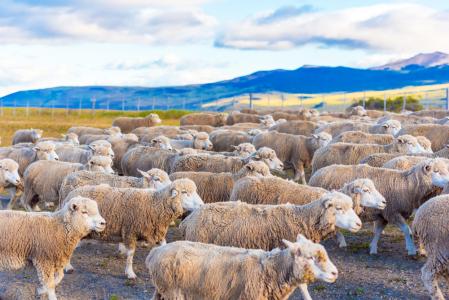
(56, 122)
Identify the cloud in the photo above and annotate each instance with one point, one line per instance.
(112, 21)
(383, 27)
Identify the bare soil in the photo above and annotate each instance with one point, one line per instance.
(99, 273)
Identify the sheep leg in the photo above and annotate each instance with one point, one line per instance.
(299, 173)
(130, 250)
(121, 249)
(430, 280)
(59, 276)
(409, 244)
(12, 191)
(304, 292)
(379, 226)
(46, 277)
(341, 239)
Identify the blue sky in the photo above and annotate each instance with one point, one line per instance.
(47, 43)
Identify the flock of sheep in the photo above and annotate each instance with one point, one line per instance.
(248, 232)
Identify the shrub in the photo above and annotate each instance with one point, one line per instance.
(393, 104)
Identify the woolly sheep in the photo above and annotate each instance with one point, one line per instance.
(217, 187)
(27, 136)
(293, 150)
(430, 228)
(237, 117)
(387, 127)
(336, 128)
(297, 127)
(10, 179)
(437, 134)
(24, 156)
(43, 179)
(219, 163)
(360, 137)
(198, 128)
(119, 146)
(351, 154)
(67, 139)
(403, 190)
(216, 272)
(46, 239)
(223, 140)
(89, 138)
(200, 141)
(438, 114)
(151, 179)
(127, 124)
(145, 214)
(244, 225)
(82, 130)
(72, 154)
(403, 162)
(211, 119)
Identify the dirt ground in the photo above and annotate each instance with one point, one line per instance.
(100, 273)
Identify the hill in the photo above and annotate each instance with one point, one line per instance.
(307, 79)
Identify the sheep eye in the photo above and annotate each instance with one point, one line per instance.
(366, 191)
(436, 171)
(84, 212)
(339, 208)
(184, 192)
(156, 179)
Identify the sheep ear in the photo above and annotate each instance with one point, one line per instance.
(154, 141)
(174, 193)
(36, 148)
(385, 125)
(401, 140)
(288, 244)
(249, 167)
(427, 168)
(315, 136)
(144, 174)
(328, 203)
(74, 207)
(92, 147)
(300, 238)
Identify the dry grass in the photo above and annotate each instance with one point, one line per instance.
(57, 122)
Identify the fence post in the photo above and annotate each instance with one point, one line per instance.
(93, 105)
(404, 102)
(364, 99)
(28, 109)
(250, 101)
(80, 106)
(385, 101)
(447, 99)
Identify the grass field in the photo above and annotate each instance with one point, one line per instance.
(56, 122)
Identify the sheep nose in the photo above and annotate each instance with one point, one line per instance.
(103, 223)
(358, 224)
(334, 273)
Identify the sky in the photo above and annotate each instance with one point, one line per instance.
(47, 43)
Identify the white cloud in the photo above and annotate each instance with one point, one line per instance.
(138, 22)
(394, 28)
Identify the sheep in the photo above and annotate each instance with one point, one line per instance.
(223, 140)
(216, 272)
(360, 137)
(430, 227)
(145, 158)
(403, 162)
(204, 118)
(144, 214)
(160, 142)
(82, 130)
(27, 136)
(200, 141)
(438, 114)
(151, 179)
(219, 163)
(244, 225)
(87, 139)
(217, 187)
(273, 190)
(24, 156)
(237, 117)
(72, 154)
(199, 128)
(46, 240)
(43, 179)
(67, 139)
(9, 179)
(241, 150)
(119, 146)
(168, 131)
(297, 127)
(407, 119)
(403, 190)
(437, 134)
(425, 143)
(336, 128)
(351, 154)
(127, 124)
(295, 151)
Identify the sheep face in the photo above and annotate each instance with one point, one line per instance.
(9, 169)
(71, 138)
(408, 144)
(368, 194)
(100, 150)
(256, 169)
(156, 179)
(186, 190)
(345, 216)
(244, 149)
(425, 144)
(221, 119)
(321, 139)
(114, 131)
(391, 127)
(161, 142)
(46, 151)
(438, 170)
(267, 121)
(100, 164)
(86, 212)
(269, 157)
(153, 118)
(36, 134)
(201, 141)
(316, 255)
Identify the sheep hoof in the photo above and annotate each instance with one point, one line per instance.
(131, 276)
(69, 270)
(343, 245)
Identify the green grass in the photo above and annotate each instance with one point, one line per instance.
(56, 122)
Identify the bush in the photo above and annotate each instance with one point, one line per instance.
(393, 104)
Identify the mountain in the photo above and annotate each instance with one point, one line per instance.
(421, 60)
(307, 79)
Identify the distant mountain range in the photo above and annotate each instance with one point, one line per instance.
(422, 69)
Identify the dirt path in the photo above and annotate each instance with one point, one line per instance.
(99, 273)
